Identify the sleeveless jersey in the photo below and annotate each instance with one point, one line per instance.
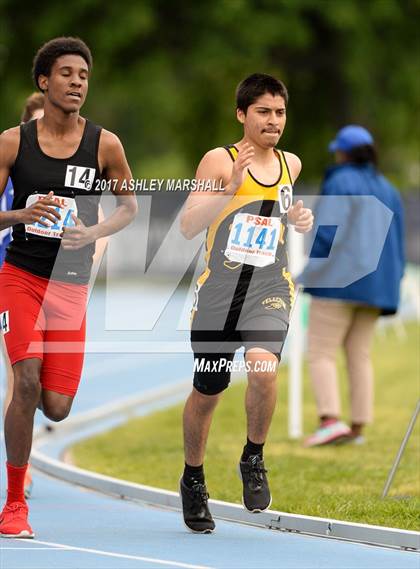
(73, 180)
(249, 235)
(6, 202)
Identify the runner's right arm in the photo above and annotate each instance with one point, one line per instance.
(9, 146)
(202, 207)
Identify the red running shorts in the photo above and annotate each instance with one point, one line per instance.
(45, 319)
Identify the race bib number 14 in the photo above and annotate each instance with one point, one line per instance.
(79, 177)
(65, 207)
(253, 239)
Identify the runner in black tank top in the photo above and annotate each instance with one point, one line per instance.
(35, 173)
(54, 164)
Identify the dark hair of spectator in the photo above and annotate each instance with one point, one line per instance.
(363, 154)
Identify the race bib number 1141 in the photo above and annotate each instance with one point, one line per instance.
(253, 239)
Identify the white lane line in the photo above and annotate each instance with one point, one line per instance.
(36, 548)
(62, 546)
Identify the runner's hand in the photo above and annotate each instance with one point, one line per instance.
(301, 217)
(243, 160)
(40, 211)
(75, 238)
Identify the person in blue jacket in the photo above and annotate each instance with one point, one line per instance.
(353, 276)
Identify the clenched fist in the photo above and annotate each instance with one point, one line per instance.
(301, 217)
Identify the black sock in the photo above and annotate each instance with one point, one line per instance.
(193, 474)
(251, 449)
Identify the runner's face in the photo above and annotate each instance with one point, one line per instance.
(264, 120)
(67, 84)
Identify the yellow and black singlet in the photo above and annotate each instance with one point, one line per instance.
(249, 235)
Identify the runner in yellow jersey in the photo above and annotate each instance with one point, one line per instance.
(244, 296)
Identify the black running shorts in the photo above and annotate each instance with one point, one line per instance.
(251, 313)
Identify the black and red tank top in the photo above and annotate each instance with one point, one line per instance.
(75, 182)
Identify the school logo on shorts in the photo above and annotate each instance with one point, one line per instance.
(231, 265)
(79, 177)
(274, 303)
(4, 322)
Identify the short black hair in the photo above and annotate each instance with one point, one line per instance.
(256, 85)
(55, 48)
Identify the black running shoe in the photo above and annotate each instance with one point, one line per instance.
(256, 493)
(197, 516)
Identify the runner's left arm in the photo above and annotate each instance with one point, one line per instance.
(114, 165)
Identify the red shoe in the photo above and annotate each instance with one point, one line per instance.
(14, 521)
